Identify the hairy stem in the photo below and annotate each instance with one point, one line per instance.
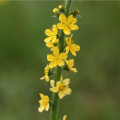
(54, 110)
(67, 7)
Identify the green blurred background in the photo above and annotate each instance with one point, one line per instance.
(96, 86)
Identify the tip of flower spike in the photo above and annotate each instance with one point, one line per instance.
(59, 10)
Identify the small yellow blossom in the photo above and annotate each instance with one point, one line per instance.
(56, 58)
(44, 103)
(70, 64)
(60, 7)
(55, 10)
(78, 11)
(46, 76)
(71, 47)
(67, 24)
(61, 87)
(52, 34)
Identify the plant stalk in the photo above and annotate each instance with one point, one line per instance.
(55, 101)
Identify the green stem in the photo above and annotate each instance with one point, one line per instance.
(55, 96)
(54, 110)
(67, 7)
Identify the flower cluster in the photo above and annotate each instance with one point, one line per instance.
(58, 58)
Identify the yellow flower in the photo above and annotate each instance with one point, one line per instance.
(56, 58)
(70, 64)
(64, 117)
(55, 10)
(46, 76)
(52, 34)
(61, 87)
(71, 47)
(60, 7)
(67, 24)
(44, 103)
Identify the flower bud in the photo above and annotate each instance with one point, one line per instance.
(75, 12)
(55, 10)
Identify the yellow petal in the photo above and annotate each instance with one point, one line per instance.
(47, 78)
(66, 82)
(62, 56)
(73, 27)
(74, 20)
(47, 108)
(56, 51)
(48, 32)
(41, 102)
(67, 41)
(61, 94)
(71, 62)
(55, 40)
(53, 64)
(70, 19)
(46, 98)
(74, 69)
(64, 117)
(54, 89)
(60, 63)
(62, 18)
(67, 49)
(70, 38)
(50, 57)
(55, 30)
(48, 39)
(42, 95)
(67, 91)
(75, 47)
(49, 44)
(73, 51)
(47, 69)
(58, 83)
(41, 108)
(70, 65)
(67, 31)
(42, 78)
(61, 25)
(52, 83)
